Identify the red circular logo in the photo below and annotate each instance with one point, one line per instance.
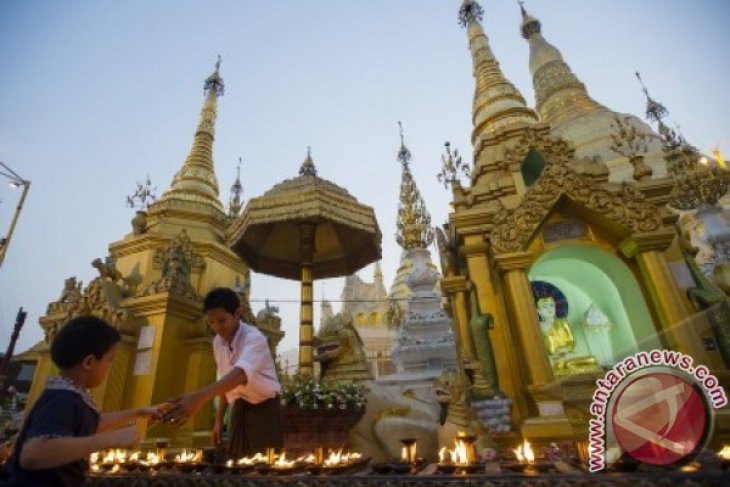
(659, 418)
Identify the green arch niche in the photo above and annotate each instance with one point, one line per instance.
(588, 274)
(532, 167)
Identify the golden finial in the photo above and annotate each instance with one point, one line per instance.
(530, 25)
(470, 11)
(404, 155)
(414, 222)
(308, 168)
(235, 205)
(214, 81)
(655, 111)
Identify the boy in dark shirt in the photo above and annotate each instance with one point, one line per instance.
(64, 426)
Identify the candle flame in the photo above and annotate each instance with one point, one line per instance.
(524, 453)
(189, 457)
(460, 454)
(724, 453)
(257, 458)
(282, 462)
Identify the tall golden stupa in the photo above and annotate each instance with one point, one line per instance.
(151, 287)
(562, 229)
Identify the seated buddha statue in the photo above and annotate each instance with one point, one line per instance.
(560, 341)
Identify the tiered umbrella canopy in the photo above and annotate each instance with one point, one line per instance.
(306, 228)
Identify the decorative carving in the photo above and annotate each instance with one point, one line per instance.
(698, 184)
(177, 263)
(452, 168)
(553, 149)
(631, 143)
(622, 203)
(100, 298)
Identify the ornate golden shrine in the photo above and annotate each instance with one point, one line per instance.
(151, 289)
(525, 180)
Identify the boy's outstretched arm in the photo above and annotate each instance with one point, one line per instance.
(183, 407)
(110, 421)
(41, 453)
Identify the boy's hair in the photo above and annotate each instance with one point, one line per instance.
(81, 337)
(222, 297)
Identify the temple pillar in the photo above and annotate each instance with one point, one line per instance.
(108, 396)
(163, 360)
(676, 327)
(548, 420)
(514, 267)
(201, 371)
(509, 371)
(455, 287)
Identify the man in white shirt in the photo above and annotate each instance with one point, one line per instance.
(247, 381)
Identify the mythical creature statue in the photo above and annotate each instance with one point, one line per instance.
(107, 269)
(340, 351)
(706, 295)
(481, 370)
(71, 290)
(446, 253)
(455, 414)
(394, 316)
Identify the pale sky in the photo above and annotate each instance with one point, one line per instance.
(96, 95)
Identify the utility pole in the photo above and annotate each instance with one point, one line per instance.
(19, 321)
(16, 182)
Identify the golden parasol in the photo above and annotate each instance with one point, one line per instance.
(306, 228)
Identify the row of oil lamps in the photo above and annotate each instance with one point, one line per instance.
(188, 461)
(461, 459)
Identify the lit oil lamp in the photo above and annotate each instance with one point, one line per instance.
(724, 455)
(282, 465)
(188, 461)
(462, 458)
(526, 461)
(447, 461)
(408, 452)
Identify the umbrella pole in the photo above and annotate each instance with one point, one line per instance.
(306, 331)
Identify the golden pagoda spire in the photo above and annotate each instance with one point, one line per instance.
(235, 205)
(196, 181)
(414, 222)
(497, 103)
(559, 94)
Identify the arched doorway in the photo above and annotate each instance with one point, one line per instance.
(590, 276)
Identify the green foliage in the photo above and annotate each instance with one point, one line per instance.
(309, 394)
